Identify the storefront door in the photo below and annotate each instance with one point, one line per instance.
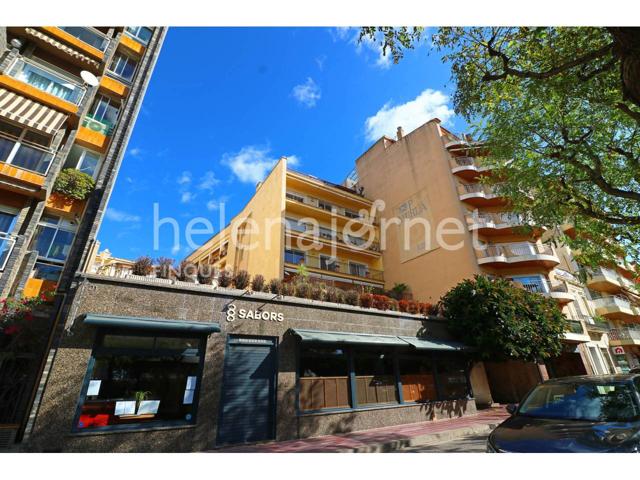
(247, 409)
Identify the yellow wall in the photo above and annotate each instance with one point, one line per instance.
(417, 169)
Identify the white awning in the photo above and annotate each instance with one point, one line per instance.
(30, 113)
(61, 46)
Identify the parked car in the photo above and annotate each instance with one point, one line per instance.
(574, 414)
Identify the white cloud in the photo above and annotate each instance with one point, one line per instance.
(184, 178)
(135, 152)
(409, 115)
(186, 197)
(120, 216)
(217, 203)
(252, 163)
(208, 181)
(307, 93)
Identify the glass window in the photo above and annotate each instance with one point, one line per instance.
(326, 233)
(375, 377)
(140, 33)
(136, 379)
(296, 225)
(358, 269)
(88, 36)
(24, 148)
(329, 263)
(324, 378)
(325, 206)
(123, 66)
(7, 220)
(53, 238)
(106, 111)
(293, 256)
(452, 376)
(417, 377)
(84, 160)
(46, 271)
(589, 401)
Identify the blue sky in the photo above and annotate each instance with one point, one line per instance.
(225, 103)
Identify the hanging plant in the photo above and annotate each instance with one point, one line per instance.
(74, 184)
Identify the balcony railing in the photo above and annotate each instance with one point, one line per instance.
(624, 334)
(47, 80)
(333, 265)
(606, 273)
(487, 190)
(616, 301)
(595, 325)
(575, 326)
(515, 250)
(90, 36)
(356, 243)
(494, 219)
(7, 243)
(327, 206)
(100, 126)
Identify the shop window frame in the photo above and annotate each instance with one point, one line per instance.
(97, 348)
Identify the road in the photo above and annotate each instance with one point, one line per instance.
(471, 444)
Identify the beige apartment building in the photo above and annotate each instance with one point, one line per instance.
(295, 219)
(433, 175)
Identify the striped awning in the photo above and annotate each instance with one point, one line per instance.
(61, 46)
(29, 113)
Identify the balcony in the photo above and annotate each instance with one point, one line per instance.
(624, 336)
(335, 238)
(560, 293)
(336, 268)
(101, 126)
(540, 284)
(480, 195)
(496, 223)
(616, 307)
(325, 208)
(595, 326)
(604, 280)
(89, 36)
(47, 81)
(517, 254)
(575, 332)
(468, 168)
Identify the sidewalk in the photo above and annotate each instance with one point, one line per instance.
(386, 439)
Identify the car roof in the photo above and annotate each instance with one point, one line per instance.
(622, 377)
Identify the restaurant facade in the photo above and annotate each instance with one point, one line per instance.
(149, 366)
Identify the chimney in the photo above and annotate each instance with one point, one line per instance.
(400, 133)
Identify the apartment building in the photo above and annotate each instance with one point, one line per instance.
(433, 176)
(69, 97)
(296, 219)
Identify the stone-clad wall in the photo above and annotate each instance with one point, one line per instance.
(104, 295)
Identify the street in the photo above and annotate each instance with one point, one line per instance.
(470, 444)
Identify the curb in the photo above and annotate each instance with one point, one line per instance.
(422, 440)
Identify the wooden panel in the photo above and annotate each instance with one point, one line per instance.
(418, 388)
(22, 175)
(111, 85)
(324, 392)
(91, 139)
(38, 95)
(131, 45)
(75, 42)
(376, 389)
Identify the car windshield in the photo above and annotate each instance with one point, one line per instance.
(605, 402)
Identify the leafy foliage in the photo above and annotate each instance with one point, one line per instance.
(20, 330)
(503, 321)
(165, 268)
(562, 105)
(142, 266)
(74, 184)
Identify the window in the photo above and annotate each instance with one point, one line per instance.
(375, 377)
(324, 378)
(84, 160)
(351, 213)
(142, 34)
(325, 206)
(89, 36)
(54, 237)
(141, 379)
(123, 66)
(25, 148)
(8, 217)
(329, 263)
(105, 112)
(359, 269)
(326, 233)
(534, 283)
(296, 197)
(418, 379)
(293, 256)
(296, 225)
(48, 78)
(452, 377)
(46, 271)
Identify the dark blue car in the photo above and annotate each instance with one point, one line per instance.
(587, 414)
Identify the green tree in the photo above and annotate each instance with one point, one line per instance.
(74, 184)
(559, 109)
(503, 321)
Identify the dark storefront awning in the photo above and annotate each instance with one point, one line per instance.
(370, 339)
(151, 324)
(346, 337)
(435, 344)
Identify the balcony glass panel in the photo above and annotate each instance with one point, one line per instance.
(122, 66)
(142, 34)
(89, 36)
(47, 80)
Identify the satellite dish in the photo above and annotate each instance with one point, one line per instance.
(89, 78)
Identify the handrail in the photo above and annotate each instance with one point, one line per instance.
(337, 236)
(84, 34)
(315, 202)
(341, 266)
(515, 250)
